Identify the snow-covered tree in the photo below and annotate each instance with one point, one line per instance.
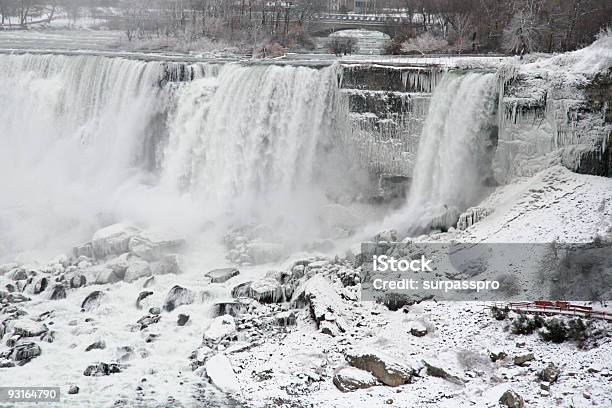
(424, 43)
(524, 32)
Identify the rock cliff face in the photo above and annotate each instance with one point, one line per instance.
(552, 117)
(387, 107)
(545, 117)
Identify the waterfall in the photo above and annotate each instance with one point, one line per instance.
(92, 140)
(252, 136)
(453, 161)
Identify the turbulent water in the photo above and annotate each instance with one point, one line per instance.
(93, 140)
(454, 156)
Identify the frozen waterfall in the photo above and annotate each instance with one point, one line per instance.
(89, 140)
(453, 162)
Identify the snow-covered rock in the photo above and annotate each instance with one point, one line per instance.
(220, 372)
(178, 296)
(511, 399)
(220, 328)
(350, 379)
(112, 240)
(385, 368)
(93, 300)
(137, 269)
(222, 275)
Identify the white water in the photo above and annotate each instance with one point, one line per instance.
(453, 160)
(87, 141)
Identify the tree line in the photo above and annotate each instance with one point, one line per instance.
(458, 26)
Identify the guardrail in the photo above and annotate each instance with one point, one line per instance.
(561, 308)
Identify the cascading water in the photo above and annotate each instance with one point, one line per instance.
(256, 142)
(88, 141)
(454, 157)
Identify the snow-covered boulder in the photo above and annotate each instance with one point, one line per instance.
(436, 369)
(550, 373)
(221, 374)
(418, 329)
(137, 269)
(385, 368)
(152, 249)
(350, 379)
(325, 304)
(222, 327)
(93, 301)
(178, 296)
(112, 240)
(511, 399)
(222, 275)
(26, 327)
(266, 290)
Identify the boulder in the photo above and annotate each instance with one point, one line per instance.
(549, 374)
(511, 399)
(266, 290)
(148, 320)
(26, 328)
(286, 318)
(229, 308)
(178, 296)
(350, 379)
(523, 358)
(101, 369)
(142, 295)
(242, 290)
(221, 374)
(100, 275)
(326, 306)
(221, 327)
(57, 292)
(150, 249)
(78, 281)
(98, 345)
(182, 319)
(222, 275)
(18, 274)
(93, 301)
(497, 355)
(112, 240)
(137, 269)
(418, 329)
(73, 390)
(25, 352)
(38, 285)
(385, 368)
(435, 369)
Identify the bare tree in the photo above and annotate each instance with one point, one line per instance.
(425, 43)
(524, 33)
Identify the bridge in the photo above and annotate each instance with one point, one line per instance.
(324, 24)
